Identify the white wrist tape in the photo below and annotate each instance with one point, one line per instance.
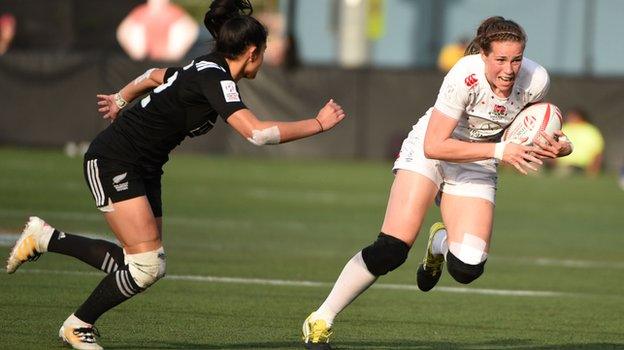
(119, 101)
(499, 149)
(268, 136)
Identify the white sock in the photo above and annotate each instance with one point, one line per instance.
(74, 321)
(353, 280)
(440, 243)
(44, 239)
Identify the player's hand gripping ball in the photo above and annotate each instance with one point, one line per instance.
(525, 129)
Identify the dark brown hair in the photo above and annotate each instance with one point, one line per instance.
(492, 29)
(233, 28)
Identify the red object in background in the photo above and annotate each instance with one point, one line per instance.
(157, 25)
(7, 31)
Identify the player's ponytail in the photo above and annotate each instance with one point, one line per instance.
(233, 28)
(495, 28)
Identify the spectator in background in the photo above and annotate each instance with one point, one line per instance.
(157, 30)
(451, 53)
(7, 31)
(281, 48)
(588, 145)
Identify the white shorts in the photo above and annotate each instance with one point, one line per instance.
(475, 179)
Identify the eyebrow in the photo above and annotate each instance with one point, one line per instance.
(513, 57)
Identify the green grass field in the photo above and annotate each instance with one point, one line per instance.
(234, 228)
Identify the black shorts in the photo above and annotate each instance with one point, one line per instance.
(112, 181)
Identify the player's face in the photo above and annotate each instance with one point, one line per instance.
(502, 65)
(254, 65)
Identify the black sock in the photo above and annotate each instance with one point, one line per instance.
(101, 254)
(117, 287)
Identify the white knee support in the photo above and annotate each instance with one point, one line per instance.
(471, 250)
(146, 268)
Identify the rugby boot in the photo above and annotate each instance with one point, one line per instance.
(81, 337)
(430, 270)
(316, 334)
(31, 244)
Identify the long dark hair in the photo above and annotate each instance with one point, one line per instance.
(233, 28)
(492, 29)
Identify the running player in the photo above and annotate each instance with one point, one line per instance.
(123, 166)
(452, 152)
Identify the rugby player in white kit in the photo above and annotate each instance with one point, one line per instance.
(452, 153)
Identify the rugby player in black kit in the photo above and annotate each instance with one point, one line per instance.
(123, 165)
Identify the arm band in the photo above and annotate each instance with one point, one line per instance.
(319, 123)
(499, 150)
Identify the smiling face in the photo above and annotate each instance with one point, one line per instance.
(502, 65)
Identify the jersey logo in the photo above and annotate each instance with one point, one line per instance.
(499, 111)
(471, 80)
(118, 184)
(229, 91)
(201, 65)
(117, 179)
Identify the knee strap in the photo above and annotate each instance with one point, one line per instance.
(385, 254)
(462, 272)
(147, 268)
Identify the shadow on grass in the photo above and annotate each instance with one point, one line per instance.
(398, 344)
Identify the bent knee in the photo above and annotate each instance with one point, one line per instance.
(385, 254)
(462, 272)
(147, 268)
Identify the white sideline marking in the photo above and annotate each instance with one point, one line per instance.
(291, 283)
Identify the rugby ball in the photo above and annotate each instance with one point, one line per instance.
(530, 121)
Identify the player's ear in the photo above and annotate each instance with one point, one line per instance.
(252, 53)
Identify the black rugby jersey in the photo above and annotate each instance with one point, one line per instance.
(186, 104)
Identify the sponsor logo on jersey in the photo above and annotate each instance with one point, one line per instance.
(471, 80)
(201, 65)
(229, 91)
(483, 129)
(118, 184)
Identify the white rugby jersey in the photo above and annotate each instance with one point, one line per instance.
(467, 96)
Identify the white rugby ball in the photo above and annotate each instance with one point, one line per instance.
(531, 120)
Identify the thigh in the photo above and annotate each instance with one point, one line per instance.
(410, 197)
(464, 216)
(135, 226)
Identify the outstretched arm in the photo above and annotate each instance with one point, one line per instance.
(267, 132)
(110, 105)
